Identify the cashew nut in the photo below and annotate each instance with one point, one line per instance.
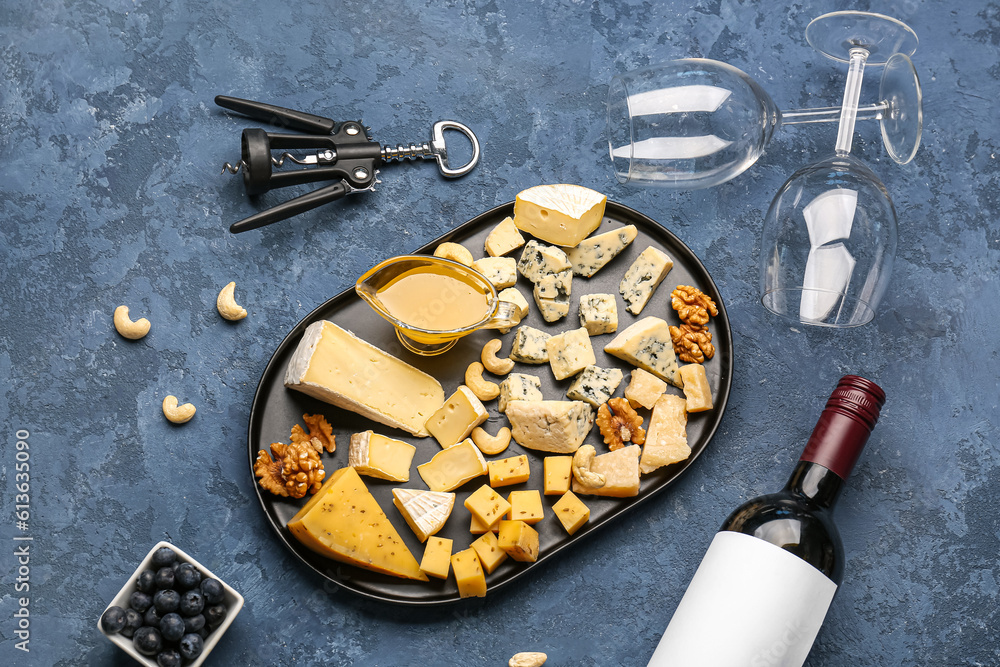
(455, 251)
(227, 306)
(128, 328)
(492, 362)
(482, 388)
(581, 468)
(178, 414)
(489, 444)
(528, 659)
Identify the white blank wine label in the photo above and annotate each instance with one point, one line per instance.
(750, 604)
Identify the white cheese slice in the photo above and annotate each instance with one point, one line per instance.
(375, 455)
(559, 427)
(503, 239)
(451, 468)
(560, 214)
(593, 254)
(337, 367)
(425, 511)
(461, 413)
(643, 277)
(647, 344)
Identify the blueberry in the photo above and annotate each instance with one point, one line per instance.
(172, 627)
(146, 581)
(165, 578)
(164, 556)
(187, 577)
(194, 623)
(192, 602)
(215, 614)
(203, 633)
(152, 617)
(176, 566)
(191, 646)
(140, 601)
(166, 601)
(170, 658)
(113, 620)
(133, 621)
(213, 591)
(147, 640)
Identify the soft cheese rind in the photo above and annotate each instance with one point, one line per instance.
(560, 214)
(425, 511)
(335, 366)
(559, 427)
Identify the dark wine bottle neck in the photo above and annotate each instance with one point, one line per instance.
(815, 482)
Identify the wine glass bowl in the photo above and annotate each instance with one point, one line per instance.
(828, 245)
(836, 33)
(687, 124)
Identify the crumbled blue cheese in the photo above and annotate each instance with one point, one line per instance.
(595, 385)
(599, 314)
(593, 254)
(538, 260)
(642, 278)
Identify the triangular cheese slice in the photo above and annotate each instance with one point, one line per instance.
(425, 511)
(343, 521)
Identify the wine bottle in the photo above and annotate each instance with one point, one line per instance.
(761, 593)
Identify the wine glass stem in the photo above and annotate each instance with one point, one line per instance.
(832, 114)
(852, 93)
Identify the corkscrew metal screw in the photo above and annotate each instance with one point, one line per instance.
(344, 153)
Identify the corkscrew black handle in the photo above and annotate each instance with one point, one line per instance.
(277, 116)
(300, 204)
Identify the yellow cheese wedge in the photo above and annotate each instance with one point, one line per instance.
(451, 468)
(378, 456)
(559, 214)
(571, 512)
(454, 421)
(511, 470)
(425, 511)
(469, 574)
(519, 540)
(489, 552)
(697, 391)
(437, 558)
(558, 473)
(486, 505)
(343, 521)
(621, 473)
(526, 506)
(336, 366)
(666, 438)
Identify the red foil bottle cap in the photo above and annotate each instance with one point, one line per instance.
(844, 427)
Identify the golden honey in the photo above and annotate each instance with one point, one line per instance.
(435, 299)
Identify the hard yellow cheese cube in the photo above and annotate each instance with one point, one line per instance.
(697, 392)
(437, 557)
(526, 506)
(487, 505)
(571, 512)
(558, 474)
(469, 574)
(519, 540)
(512, 470)
(454, 421)
(489, 552)
(477, 527)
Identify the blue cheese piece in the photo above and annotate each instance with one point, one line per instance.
(647, 345)
(552, 310)
(599, 314)
(529, 346)
(503, 239)
(593, 254)
(539, 260)
(643, 277)
(519, 387)
(559, 427)
(552, 293)
(570, 352)
(500, 271)
(595, 385)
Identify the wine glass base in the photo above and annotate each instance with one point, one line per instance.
(903, 120)
(836, 33)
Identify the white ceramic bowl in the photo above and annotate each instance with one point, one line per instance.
(233, 600)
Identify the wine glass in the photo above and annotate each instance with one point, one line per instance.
(696, 123)
(829, 237)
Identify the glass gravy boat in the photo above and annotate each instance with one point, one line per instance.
(432, 302)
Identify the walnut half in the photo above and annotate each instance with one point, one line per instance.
(620, 424)
(692, 343)
(692, 305)
(269, 472)
(302, 468)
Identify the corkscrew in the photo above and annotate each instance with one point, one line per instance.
(343, 152)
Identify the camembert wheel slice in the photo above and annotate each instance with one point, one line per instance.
(560, 214)
(425, 511)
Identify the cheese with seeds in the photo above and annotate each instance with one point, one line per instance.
(593, 254)
(643, 277)
(561, 214)
(647, 344)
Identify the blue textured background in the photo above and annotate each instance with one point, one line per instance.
(110, 193)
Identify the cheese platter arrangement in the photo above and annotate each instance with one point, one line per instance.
(438, 474)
